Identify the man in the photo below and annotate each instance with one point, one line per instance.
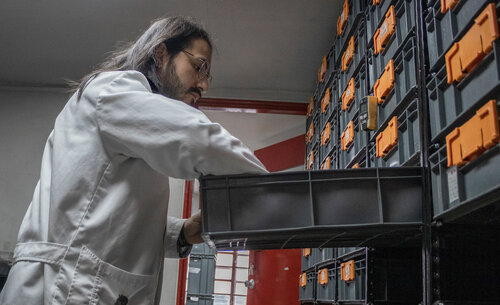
(96, 231)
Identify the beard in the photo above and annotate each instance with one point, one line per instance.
(171, 85)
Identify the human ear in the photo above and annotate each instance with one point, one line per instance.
(160, 55)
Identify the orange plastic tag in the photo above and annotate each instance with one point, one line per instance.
(355, 165)
(323, 276)
(303, 280)
(347, 136)
(326, 164)
(384, 33)
(348, 54)
(306, 252)
(447, 5)
(310, 107)
(342, 21)
(347, 271)
(310, 133)
(325, 134)
(385, 83)
(467, 142)
(325, 101)
(467, 53)
(388, 138)
(348, 95)
(376, 2)
(310, 160)
(322, 69)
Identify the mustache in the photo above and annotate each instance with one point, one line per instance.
(196, 90)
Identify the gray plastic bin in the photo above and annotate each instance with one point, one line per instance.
(334, 158)
(310, 261)
(356, 8)
(201, 275)
(325, 254)
(354, 290)
(358, 58)
(360, 91)
(202, 249)
(356, 148)
(312, 209)
(327, 292)
(460, 191)
(444, 29)
(405, 81)
(407, 150)
(307, 293)
(449, 102)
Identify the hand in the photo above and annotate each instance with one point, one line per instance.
(192, 229)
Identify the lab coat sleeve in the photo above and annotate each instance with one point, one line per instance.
(171, 136)
(174, 226)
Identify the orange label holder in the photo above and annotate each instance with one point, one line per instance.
(481, 132)
(342, 20)
(447, 5)
(467, 53)
(325, 134)
(348, 55)
(325, 101)
(385, 32)
(347, 272)
(348, 95)
(310, 107)
(347, 137)
(385, 83)
(303, 280)
(326, 164)
(323, 276)
(322, 69)
(387, 139)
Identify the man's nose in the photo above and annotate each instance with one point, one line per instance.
(203, 85)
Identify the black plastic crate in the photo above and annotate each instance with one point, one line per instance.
(312, 157)
(355, 289)
(312, 209)
(353, 91)
(307, 292)
(405, 82)
(450, 103)
(201, 274)
(353, 54)
(313, 132)
(359, 140)
(326, 284)
(407, 149)
(355, 10)
(405, 24)
(460, 190)
(445, 28)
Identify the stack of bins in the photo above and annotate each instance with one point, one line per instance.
(353, 83)
(307, 278)
(328, 117)
(464, 93)
(393, 77)
(201, 275)
(351, 44)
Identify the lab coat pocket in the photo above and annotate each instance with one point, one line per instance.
(97, 282)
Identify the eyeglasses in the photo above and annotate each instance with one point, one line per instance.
(203, 69)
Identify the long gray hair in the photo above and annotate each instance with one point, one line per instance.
(176, 32)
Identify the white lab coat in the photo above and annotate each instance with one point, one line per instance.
(97, 225)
